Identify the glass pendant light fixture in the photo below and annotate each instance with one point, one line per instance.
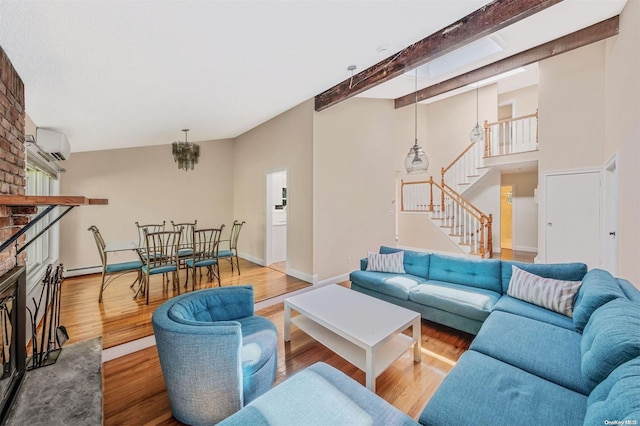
(416, 160)
(477, 134)
(185, 153)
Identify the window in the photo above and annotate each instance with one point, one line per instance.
(44, 250)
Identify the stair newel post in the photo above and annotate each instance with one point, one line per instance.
(442, 190)
(489, 236)
(487, 140)
(482, 217)
(431, 193)
(401, 194)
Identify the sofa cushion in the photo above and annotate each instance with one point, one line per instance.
(529, 310)
(481, 390)
(548, 293)
(415, 263)
(629, 290)
(466, 301)
(259, 351)
(598, 287)
(611, 338)
(396, 285)
(392, 262)
(223, 304)
(617, 397)
(479, 273)
(558, 271)
(545, 350)
(319, 395)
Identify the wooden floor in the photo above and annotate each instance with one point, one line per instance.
(120, 319)
(134, 391)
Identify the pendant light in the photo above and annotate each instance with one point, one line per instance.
(477, 134)
(186, 154)
(416, 160)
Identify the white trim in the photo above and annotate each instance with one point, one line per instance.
(269, 212)
(609, 208)
(332, 280)
(76, 272)
(525, 248)
(302, 275)
(128, 348)
(250, 258)
(447, 253)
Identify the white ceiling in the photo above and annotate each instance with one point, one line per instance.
(115, 74)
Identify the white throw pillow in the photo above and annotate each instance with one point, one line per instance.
(555, 295)
(393, 262)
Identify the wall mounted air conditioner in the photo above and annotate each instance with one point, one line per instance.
(53, 143)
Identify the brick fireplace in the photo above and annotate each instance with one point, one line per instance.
(12, 157)
(12, 276)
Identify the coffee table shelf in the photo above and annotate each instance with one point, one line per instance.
(385, 354)
(367, 332)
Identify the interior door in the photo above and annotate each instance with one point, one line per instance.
(572, 218)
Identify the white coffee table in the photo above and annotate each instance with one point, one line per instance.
(364, 330)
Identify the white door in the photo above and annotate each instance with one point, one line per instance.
(572, 218)
(610, 246)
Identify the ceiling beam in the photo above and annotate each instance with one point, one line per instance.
(482, 22)
(583, 37)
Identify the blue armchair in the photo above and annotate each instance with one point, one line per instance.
(216, 355)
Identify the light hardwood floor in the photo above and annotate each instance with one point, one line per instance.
(120, 319)
(134, 390)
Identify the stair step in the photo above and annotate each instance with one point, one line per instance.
(473, 176)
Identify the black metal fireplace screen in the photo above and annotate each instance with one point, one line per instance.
(13, 286)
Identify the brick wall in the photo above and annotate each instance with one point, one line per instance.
(12, 156)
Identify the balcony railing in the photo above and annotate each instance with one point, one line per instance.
(511, 136)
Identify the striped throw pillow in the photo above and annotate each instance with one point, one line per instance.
(555, 295)
(393, 262)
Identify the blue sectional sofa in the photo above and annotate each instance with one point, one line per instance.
(527, 365)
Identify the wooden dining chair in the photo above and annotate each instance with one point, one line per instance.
(111, 271)
(204, 254)
(186, 244)
(163, 246)
(232, 253)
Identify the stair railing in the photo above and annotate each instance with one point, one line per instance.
(455, 213)
(465, 166)
(511, 136)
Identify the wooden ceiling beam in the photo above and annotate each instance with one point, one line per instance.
(588, 35)
(482, 22)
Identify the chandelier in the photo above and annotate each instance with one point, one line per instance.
(477, 134)
(185, 153)
(416, 160)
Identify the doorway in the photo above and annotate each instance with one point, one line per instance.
(506, 217)
(277, 199)
(572, 227)
(610, 246)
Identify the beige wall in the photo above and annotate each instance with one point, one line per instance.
(359, 147)
(622, 133)
(571, 108)
(525, 100)
(285, 141)
(525, 210)
(145, 185)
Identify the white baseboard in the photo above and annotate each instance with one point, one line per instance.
(75, 272)
(128, 348)
(302, 276)
(332, 280)
(252, 258)
(527, 249)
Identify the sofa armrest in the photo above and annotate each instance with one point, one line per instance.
(363, 264)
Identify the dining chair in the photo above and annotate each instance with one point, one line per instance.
(164, 247)
(204, 254)
(111, 271)
(185, 250)
(158, 227)
(232, 254)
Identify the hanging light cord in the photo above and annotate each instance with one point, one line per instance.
(415, 112)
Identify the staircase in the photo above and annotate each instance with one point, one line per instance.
(461, 221)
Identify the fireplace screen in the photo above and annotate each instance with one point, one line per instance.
(12, 333)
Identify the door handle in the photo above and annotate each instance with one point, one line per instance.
(549, 223)
(612, 233)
